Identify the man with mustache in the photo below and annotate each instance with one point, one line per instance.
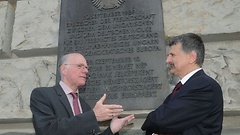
(196, 107)
(59, 110)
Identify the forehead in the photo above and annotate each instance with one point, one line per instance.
(76, 58)
(176, 47)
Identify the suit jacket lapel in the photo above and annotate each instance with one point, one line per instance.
(63, 99)
(198, 73)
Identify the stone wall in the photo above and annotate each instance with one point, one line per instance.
(29, 39)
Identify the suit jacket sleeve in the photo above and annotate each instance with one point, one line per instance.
(196, 100)
(51, 117)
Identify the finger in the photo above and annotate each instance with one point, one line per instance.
(116, 113)
(130, 116)
(111, 116)
(113, 106)
(128, 119)
(102, 99)
(116, 110)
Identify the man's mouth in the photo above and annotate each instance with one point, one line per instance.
(83, 77)
(170, 66)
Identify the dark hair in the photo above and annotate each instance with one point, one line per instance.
(190, 42)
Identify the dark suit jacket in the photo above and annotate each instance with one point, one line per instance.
(52, 114)
(196, 109)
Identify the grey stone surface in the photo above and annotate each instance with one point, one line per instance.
(18, 78)
(39, 18)
(35, 36)
(4, 33)
(120, 45)
(205, 17)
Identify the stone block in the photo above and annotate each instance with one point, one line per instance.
(222, 63)
(36, 28)
(203, 17)
(18, 78)
(4, 53)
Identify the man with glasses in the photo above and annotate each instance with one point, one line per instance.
(59, 110)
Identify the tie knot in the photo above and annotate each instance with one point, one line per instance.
(74, 95)
(179, 84)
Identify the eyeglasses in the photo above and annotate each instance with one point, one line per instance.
(79, 66)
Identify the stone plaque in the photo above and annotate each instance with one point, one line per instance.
(124, 44)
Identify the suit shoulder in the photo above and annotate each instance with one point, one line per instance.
(202, 79)
(42, 90)
(210, 79)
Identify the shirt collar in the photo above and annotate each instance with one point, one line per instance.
(186, 77)
(65, 88)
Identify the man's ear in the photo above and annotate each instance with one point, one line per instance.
(62, 69)
(192, 57)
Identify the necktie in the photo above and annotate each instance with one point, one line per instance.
(176, 88)
(75, 104)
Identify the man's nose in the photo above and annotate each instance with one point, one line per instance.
(86, 70)
(167, 59)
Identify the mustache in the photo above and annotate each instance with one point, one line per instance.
(170, 66)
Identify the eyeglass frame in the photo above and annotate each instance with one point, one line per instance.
(79, 66)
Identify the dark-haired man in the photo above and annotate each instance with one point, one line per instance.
(196, 107)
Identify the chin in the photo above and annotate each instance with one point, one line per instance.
(82, 83)
(171, 71)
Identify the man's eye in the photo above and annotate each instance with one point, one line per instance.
(81, 66)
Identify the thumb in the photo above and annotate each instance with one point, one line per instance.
(101, 100)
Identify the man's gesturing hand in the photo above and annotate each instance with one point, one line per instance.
(106, 112)
(118, 123)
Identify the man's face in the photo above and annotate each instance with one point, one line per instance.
(75, 71)
(177, 60)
